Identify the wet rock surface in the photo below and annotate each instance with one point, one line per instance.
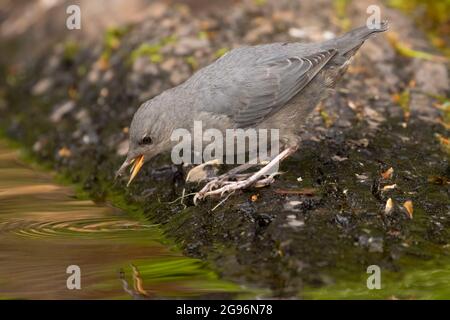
(72, 106)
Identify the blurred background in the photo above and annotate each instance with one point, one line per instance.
(67, 97)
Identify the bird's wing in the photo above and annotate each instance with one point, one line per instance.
(272, 83)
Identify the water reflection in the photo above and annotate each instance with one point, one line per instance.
(44, 229)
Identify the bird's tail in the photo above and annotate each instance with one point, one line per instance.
(352, 40)
(364, 32)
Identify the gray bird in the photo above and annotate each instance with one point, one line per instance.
(265, 86)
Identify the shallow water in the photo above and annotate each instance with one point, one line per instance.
(44, 229)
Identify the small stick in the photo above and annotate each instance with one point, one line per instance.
(222, 201)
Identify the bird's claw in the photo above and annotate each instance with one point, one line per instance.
(222, 187)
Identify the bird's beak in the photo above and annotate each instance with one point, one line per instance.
(136, 166)
(136, 163)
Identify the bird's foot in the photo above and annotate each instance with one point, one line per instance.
(222, 185)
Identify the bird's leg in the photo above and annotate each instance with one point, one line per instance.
(225, 178)
(228, 186)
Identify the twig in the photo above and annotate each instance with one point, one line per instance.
(222, 201)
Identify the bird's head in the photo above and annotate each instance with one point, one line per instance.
(150, 134)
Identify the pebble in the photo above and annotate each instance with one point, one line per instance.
(291, 206)
(294, 222)
(189, 45)
(42, 86)
(61, 110)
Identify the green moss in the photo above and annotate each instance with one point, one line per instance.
(113, 36)
(404, 101)
(71, 48)
(112, 40)
(340, 7)
(405, 50)
(192, 61)
(425, 280)
(81, 70)
(445, 107)
(152, 51)
(168, 40)
(327, 120)
(260, 3)
(203, 35)
(432, 16)
(220, 52)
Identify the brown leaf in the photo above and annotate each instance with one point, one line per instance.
(389, 206)
(389, 187)
(64, 152)
(387, 174)
(408, 205)
(439, 180)
(138, 282)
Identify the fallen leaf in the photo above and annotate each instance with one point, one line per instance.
(438, 180)
(64, 152)
(361, 176)
(388, 173)
(338, 158)
(405, 49)
(327, 119)
(389, 187)
(138, 282)
(363, 143)
(254, 197)
(203, 171)
(103, 63)
(72, 92)
(389, 206)
(442, 139)
(408, 205)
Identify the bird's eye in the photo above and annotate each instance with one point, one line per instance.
(147, 140)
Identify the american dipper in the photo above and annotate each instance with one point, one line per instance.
(265, 86)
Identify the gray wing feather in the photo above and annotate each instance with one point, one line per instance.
(273, 83)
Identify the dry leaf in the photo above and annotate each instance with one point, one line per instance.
(389, 187)
(103, 63)
(338, 158)
(389, 206)
(138, 282)
(203, 171)
(443, 140)
(72, 92)
(254, 197)
(361, 176)
(388, 173)
(408, 205)
(439, 180)
(64, 152)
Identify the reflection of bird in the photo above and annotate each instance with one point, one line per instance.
(139, 292)
(266, 86)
